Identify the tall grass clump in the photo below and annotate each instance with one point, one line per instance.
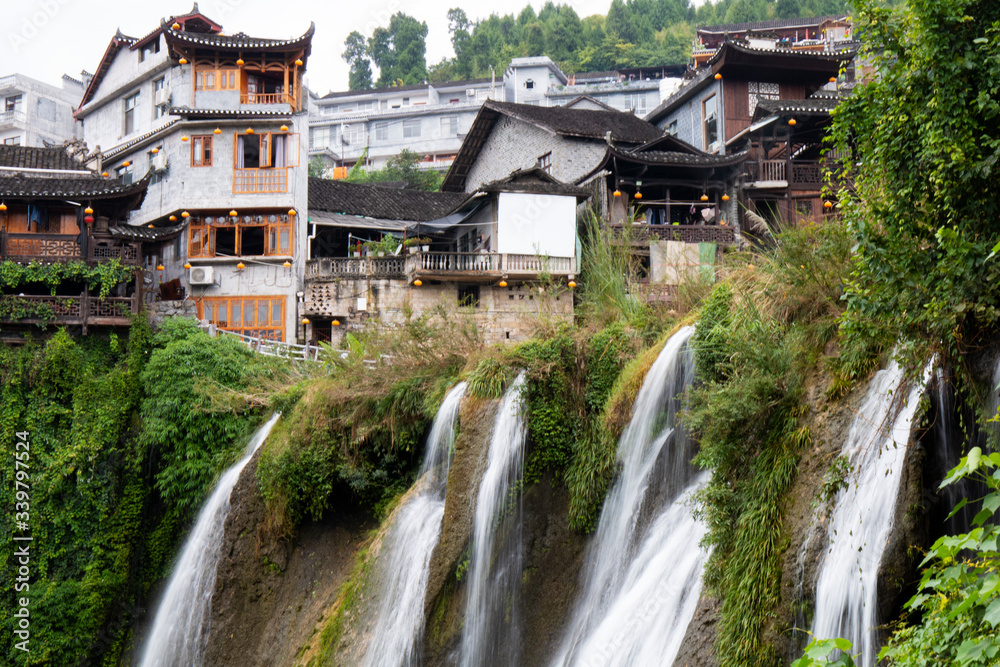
(760, 333)
(609, 276)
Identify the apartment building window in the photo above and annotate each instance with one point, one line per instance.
(12, 103)
(710, 121)
(12, 141)
(125, 174)
(406, 101)
(672, 128)
(319, 137)
(201, 151)
(468, 296)
(636, 102)
(382, 130)
(246, 235)
(258, 317)
(370, 105)
(545, 162)
(449, 126)
(130, 104)
(149, 49)
(529, 84)
(411, 128)
(159, 98)
(260, 161)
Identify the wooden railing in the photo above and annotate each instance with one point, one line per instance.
(265, 98)
(249, 181)
(804, 173)
(642, 233)
(64, 247)
(41, 247)
(80, 310)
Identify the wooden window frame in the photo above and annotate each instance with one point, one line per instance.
(279, 236)
(273, 307)
(204, 141)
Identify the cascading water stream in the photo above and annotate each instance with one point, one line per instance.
(409, 544)
(863, 516)
(491, 632)
(642, 577)
(180, 628)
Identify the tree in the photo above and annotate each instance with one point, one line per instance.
(360, 77)
(402, 167)
(399, 51)
(920, 144)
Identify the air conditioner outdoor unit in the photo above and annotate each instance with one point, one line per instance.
(714, 146)
(161, 97)
(202, 275)
(470, 92)
(159, 161)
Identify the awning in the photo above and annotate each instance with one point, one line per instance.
(327, 219)
(443, 224)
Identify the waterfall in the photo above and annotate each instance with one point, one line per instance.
(180, 628)
(409, 544)
(642, 576)
(862, 518)
(491, 632)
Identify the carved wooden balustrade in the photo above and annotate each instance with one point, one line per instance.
(643, 233)
(65, 247)
(82, 310)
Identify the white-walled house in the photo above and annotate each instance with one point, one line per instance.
(220, 122)
(33, 113)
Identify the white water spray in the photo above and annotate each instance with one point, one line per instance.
(180, 629)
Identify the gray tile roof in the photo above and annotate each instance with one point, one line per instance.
(375, 201)
(28, 157)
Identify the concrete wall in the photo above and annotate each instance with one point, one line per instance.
(46, 111)
(504, 314)
(513, 144)
(689, 117)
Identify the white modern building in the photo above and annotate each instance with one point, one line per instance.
(33, 113)
(433, 119)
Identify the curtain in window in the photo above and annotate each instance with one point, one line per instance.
(280, 151)
(239, 151)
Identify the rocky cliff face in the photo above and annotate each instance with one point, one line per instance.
(273, 599)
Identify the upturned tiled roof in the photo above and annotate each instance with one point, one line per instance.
(188, 112)
(238, 41)
(534, 180)
(770, 25)
(379, 202)
(624, 126)
(28, 157)
(48, 187)
(144, 233)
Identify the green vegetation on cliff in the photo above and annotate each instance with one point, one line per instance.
(123, 448)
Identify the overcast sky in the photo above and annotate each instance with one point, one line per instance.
(45, 39)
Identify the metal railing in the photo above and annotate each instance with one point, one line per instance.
(277, 348)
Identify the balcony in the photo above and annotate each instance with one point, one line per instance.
(466, 266)
(253, 181)
(805, 174)
(12, 116)
(82, 310)
(643, 233)
(64, 247)
(266, 98)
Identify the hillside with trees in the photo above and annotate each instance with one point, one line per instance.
(634, 33)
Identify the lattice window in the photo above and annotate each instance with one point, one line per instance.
(759, 90)
(259, 317)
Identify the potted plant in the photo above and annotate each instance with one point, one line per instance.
(415, 241)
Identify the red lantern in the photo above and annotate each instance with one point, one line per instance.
(89, 219)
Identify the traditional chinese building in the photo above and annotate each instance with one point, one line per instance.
(217, 120)
(61, 221)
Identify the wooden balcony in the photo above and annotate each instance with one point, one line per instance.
(266, 98)
(643, 233)
(467, 266)
(82, 310)
(65, 247)
(795, 174)
(250, 181)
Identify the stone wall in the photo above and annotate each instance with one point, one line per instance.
(504, 314)
(161, 310)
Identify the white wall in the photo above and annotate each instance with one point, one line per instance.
(530, 224)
